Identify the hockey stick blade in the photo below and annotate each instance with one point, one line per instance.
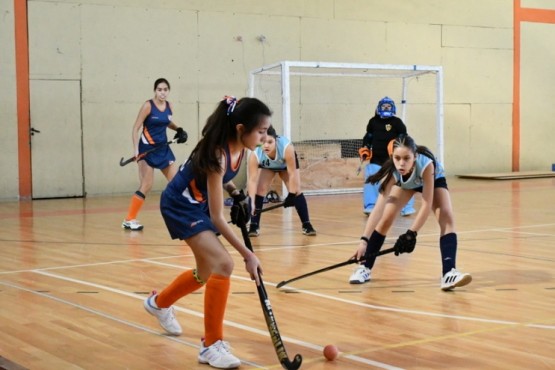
(123, 162)
(274, 331)
(297, 361)
(259, 211)
(345, 263)
(138, 157)
(271, 323)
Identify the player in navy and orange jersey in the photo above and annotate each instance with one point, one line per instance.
(276, 155)
(192, 206)
(149, 131)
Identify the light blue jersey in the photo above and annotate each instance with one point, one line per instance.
(277, 163)
(415, 180)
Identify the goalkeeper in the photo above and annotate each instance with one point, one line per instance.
(276, 155)
(410, 169)
(381, 129)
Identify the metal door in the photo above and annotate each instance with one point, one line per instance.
(56, 141)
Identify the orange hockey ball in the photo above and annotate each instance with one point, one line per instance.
(330, 352)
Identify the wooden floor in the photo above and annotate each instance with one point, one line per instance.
(72, 284)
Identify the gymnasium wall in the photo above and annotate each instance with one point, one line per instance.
(8, 111)
(205, 48)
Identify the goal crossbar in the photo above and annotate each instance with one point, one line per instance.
(286, 69)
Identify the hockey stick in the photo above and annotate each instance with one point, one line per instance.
(138, 157)
(360, 166)
(269, 314)
(258, 211)
(348, 262)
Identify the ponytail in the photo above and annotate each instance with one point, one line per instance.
(221, 127)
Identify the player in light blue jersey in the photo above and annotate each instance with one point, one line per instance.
(410, 169)
(383, 127)
(276, 155)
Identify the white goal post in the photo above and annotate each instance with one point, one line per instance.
(323, 107)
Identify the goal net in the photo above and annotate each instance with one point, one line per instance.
(324, 109)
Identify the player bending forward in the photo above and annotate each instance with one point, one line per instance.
(410, 169)
(192, 206)
(276, 155)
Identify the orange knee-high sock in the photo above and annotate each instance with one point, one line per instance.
(136, 203)
(182, 285)
(215, 301)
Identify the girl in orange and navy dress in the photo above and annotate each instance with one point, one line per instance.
(192, 206)
(149, 131)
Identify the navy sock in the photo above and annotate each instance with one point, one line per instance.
(375, 243)
(302, 208)
(258, 204)
(448, 247)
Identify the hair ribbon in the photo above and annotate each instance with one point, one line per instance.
(231, 102)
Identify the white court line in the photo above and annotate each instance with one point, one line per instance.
(198, 314)
(93, 264)
(264, 333)
(385, 308)
(116, 319)
(273, 249)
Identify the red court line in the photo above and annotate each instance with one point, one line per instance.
(69, 212)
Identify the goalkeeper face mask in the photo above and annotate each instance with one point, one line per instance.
(386, 108)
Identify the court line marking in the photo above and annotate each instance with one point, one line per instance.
(351, 355)
(114, 318)
(154, 261)
(197, 314)
(383, 308)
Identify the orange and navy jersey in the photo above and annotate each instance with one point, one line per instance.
(155, 125)
(189, 188)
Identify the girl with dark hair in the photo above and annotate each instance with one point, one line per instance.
(410, 169)
(276, 155)
(149, 131)
(192, 206)
(383, 127)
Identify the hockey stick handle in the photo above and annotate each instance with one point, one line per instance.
(259, 211)
(360, 166)
(345, 263)
(140, 156)
(269, 314)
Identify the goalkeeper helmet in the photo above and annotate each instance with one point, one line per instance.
(386, 108)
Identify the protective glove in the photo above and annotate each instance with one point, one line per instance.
(405, 243)
(390, 147)
(365, 153)
(180, 135)
(241, 208)
(289, 200)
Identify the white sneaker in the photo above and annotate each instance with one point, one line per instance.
(165, 316)
(218, 355)
(131, 225)
(408, 212)
(254, 231)
(454, 279)
(361, 275)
